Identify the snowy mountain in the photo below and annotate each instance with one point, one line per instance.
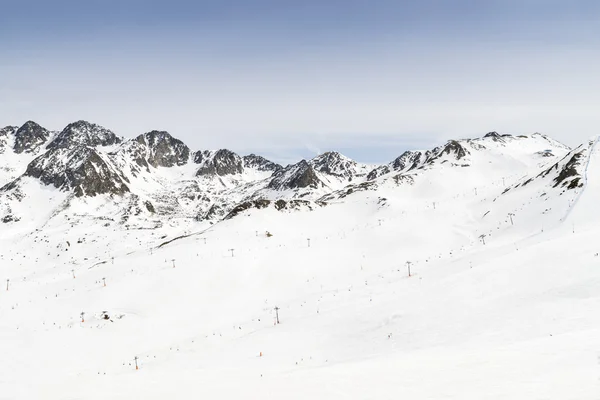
(156, 176)
(465, 271)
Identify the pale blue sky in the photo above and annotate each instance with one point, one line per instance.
(289, 79)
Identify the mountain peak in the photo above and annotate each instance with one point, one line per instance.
(336, 164)
(221, 162)
(455, 148)
(494, 136)
(161, 150)
(296, 176)
(84, 133)
(330, 155)
(260, 163)
(30, 137)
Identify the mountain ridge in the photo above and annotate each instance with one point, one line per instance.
(160, 176)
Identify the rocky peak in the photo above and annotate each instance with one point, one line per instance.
(30, 137)
(455, 149)
(160, 149)
(81, 169)
(337, 165)
(296, 176)
(222, 162)
(492, 135)
(72, 162)
(260, 163)
(407, 161)
(332, 163)
(83, 133)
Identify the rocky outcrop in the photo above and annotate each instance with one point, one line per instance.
(222, 162)
(246, 206)
(408, 161)
(81, 170)
(569, 171)
(260, 163)
(454, 149)
(494, 136)
(296, 176)
(158, 149)
(279, 205)
(6, 135)
(335, 164)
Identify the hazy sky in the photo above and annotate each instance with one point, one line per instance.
(290, 79)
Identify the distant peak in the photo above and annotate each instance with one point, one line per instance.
(491, 134)
(221, 162)
(260, 163)
(30, 137)
(158, 133)
(156, 136)
(160, 150)
(30, 124)
(84, 133)
(331, 155)
(495, 136)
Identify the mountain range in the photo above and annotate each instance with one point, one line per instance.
(155, 177)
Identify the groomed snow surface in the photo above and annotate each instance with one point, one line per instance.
(515, 318)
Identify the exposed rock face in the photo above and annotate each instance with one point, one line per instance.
(300, 175)
(80, 169)
(6, 134)
(408, 161)
(455, 149)
(568, 171)
(246, 206)
(159, 149)
(222, 162)
(411, 160)
(333, 163)
(30, 137)
(215, 211)
(379, 171)
(73, 163)
(545, 154)
(260, 163)
(494, 136)
(279, 205)
(85, 134)
(8, 131)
